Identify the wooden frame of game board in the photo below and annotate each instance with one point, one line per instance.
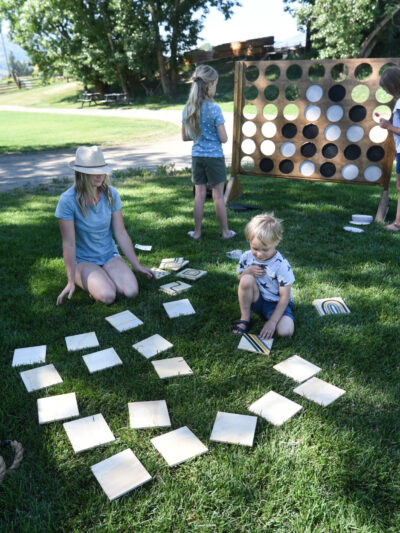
(233, 189)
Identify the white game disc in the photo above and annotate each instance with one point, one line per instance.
(353, 230)
(334, 113)
(267, 147)
(268, 129)
(350, 172)
(248, 146)
(372, 173)
(288, 149)
(314, 93)
(249, 129)
(307, 168)
(332, 132)
(355, 133)
(312, 113)
(378, 134)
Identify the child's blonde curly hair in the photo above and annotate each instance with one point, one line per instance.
(266, 228)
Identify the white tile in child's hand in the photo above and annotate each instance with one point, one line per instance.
(319, 391)
(175, 288)
(169, 368)
(150, 414)
(179, 308)
(41, 377)
(100, 360)
(120, 474)
(253, 343)
(233, 428)
(179, 445)
(275, 408)
(29, 356)
(297, 368)
(152, 346)
(86, 433)
(124, 320)
(144, 247)
(58, 407)
(82, 341)
(159, 272)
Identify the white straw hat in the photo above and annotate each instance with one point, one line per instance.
(90, 160)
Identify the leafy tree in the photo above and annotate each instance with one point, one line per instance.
(21, 68)
(345, 28)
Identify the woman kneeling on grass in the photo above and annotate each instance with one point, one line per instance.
(89, 213)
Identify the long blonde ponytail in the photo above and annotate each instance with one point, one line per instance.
(202, 77)
(86, 192)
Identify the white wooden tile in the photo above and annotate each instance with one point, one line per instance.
(173, 263)
(253, 343)
(40, 378)
(144, 247)
(192, 273)
(58, 407)
(319, 391)
(330, 306)
(175, 288)
(29, 356)
(233, 428)
(179, 308)
(160, 273)
(179, 445)
(297, 368)
(275, 408)
(149, 414)
(88, 432)
(120, 474)
(152, 346)
(82, 341)
(124, 321)
(169, 368)
(100, 360)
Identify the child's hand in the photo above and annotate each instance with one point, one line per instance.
(255, 270)
(383, 123)
(268, 330)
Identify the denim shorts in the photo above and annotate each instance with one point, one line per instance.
(266, 308)
(398, 164)
(210, 170)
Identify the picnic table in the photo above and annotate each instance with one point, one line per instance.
(116, 98)
(88, 98)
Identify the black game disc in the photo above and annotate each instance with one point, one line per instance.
(337, 93)
(352, 152)
(330, 151)
(327, 170)
(310, 131)
(289, 131)
(357, 113)
(375, 153)
(308, 149)
(266, 164)
(286, 166)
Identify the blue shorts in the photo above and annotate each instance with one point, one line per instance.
(265, 308)
(398, 164)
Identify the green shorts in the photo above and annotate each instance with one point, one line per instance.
(211, 170)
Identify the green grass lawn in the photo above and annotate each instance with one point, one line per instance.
(333, 469)
(26, 132)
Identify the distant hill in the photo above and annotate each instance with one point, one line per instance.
(18, 52)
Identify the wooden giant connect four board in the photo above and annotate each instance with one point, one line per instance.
(313, 120)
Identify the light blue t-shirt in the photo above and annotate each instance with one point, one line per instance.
(396, 123)
(208, 145)
(278, 273)
(93, 233)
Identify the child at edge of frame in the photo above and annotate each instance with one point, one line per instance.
(390, 82)
(203, 123)
(265, 280)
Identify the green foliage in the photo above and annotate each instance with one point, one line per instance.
(333, 469)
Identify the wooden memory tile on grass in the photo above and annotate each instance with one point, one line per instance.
(124, 321)
(297, 368)
(179, 445)
(319, 391)
(179, 308)
(29, 356)
(234, 429)
(275, 408)
(101, 360)
(81, 341)
(148, 414)
(40, 378)
(86, 433)
(152, 346)
(172, 367)
(60, 407)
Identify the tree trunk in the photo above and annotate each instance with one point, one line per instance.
(369, 42)
(165, 83)
(117, 68)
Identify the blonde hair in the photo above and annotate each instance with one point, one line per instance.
(390, 81)
(203, 76)
(266, 228)
(86, 192)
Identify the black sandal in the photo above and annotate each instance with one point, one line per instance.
(239, 330)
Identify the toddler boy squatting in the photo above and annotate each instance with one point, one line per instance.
(265, 280)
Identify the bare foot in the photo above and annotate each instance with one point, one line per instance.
(393, 227)
(229, 234)
(194, 235)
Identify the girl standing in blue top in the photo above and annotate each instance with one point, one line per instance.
(89, 214)
(203, 123)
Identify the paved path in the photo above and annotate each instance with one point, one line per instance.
(35, 168)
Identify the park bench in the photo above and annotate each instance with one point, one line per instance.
(116, 99)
